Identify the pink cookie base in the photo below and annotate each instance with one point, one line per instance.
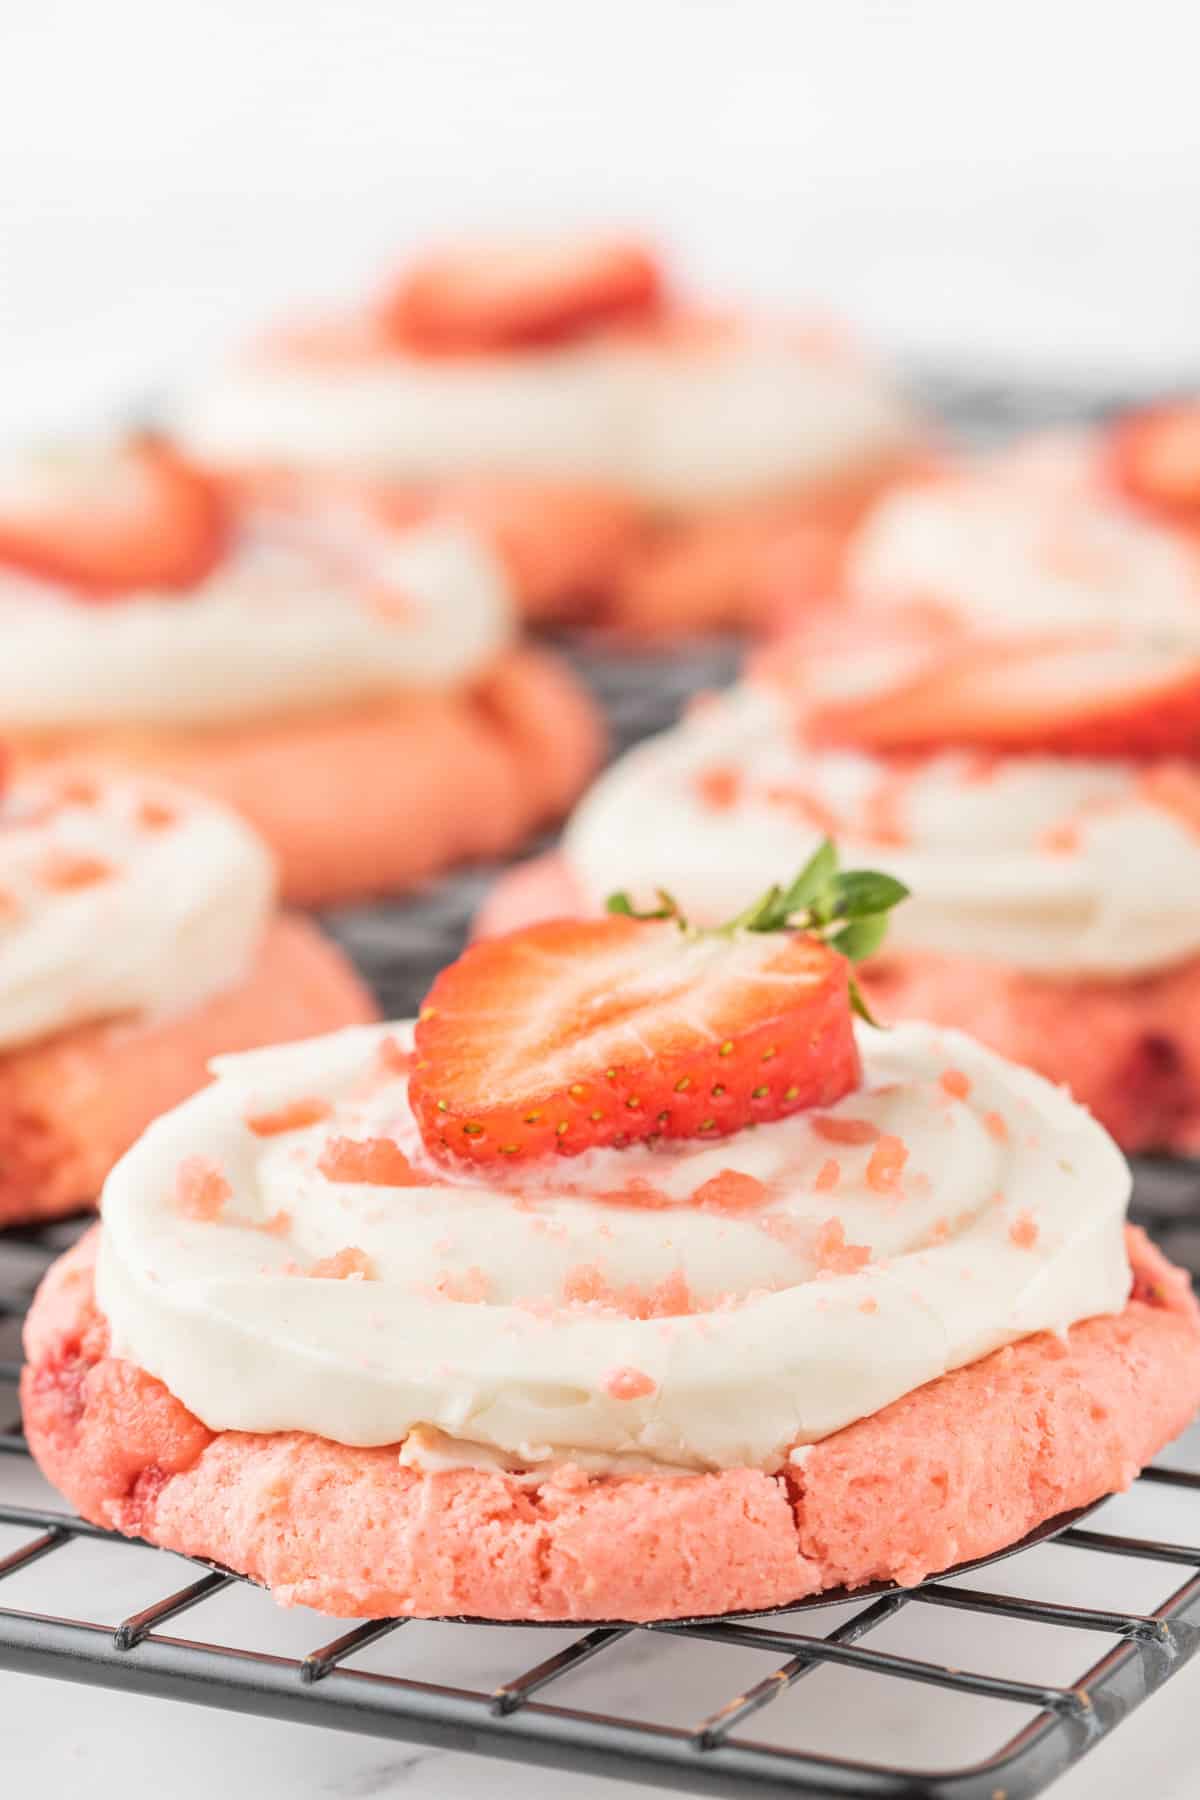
(960, 1468)
(378, 796)
(1128, 1050)
(71, 1104)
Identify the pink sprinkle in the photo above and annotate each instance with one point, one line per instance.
(790, 1233)
(201, 1190)
(955, 1083)
(730, 1192)
(982, 766)
(293, 1116)
(584, 1285)
(844, 1131)
(833, 1255)
(347, 1264)
(156, 815)
(996, 1126)
(1024, 1231)
(828, 1176)
(1060, 840)
(371, 1162)
(639, 1192)
(629, 1384)
(393, 1058)
(719, 787)
(868, 1305)
(886, 1164)
(470, 1288)
(65, 871)
(278, 1225)
(670, 1298)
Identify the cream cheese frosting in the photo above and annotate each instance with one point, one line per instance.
(952, 1205)
(300, 612)
(730, 417)
(1060, 867)
(120, 896)
(1029, 539)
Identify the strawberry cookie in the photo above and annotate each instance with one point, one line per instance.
(350, 685)
(1040, 795)
(634, 457)
(635, 1282)
(1083, 529)
(137, 939)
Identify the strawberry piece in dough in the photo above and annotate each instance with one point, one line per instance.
(506, 295)
(572, 1034)
(1089, 693)
(112, 521)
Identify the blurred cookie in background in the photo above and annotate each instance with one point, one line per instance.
(353, 686)
(637, 456)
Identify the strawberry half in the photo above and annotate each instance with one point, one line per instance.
(505, 295)
(1155, 459)
(573, 1035)
(111, 520)
(1076, 694)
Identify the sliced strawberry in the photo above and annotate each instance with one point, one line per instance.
(485, 297)
(577, 1034)
(1155, 459)
(1086, 693)
(110, 521)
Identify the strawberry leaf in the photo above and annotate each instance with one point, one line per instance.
(861, 938)
(814, 879)
(859, 1006)
(667, 908)
(865, 893)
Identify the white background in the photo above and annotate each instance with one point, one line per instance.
(985, 185)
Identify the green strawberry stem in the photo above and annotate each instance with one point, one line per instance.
(848, 908)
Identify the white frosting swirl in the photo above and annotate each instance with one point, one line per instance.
(1061, 867)
(298, 613)
(675, 424)
(1030, 539)
(814, 1309)
(131, 898)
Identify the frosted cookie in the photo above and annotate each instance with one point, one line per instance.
(349, 684)
(635, 457)
(1040, 796)
(1079, 530)
(632, 1282)
(138, 937)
